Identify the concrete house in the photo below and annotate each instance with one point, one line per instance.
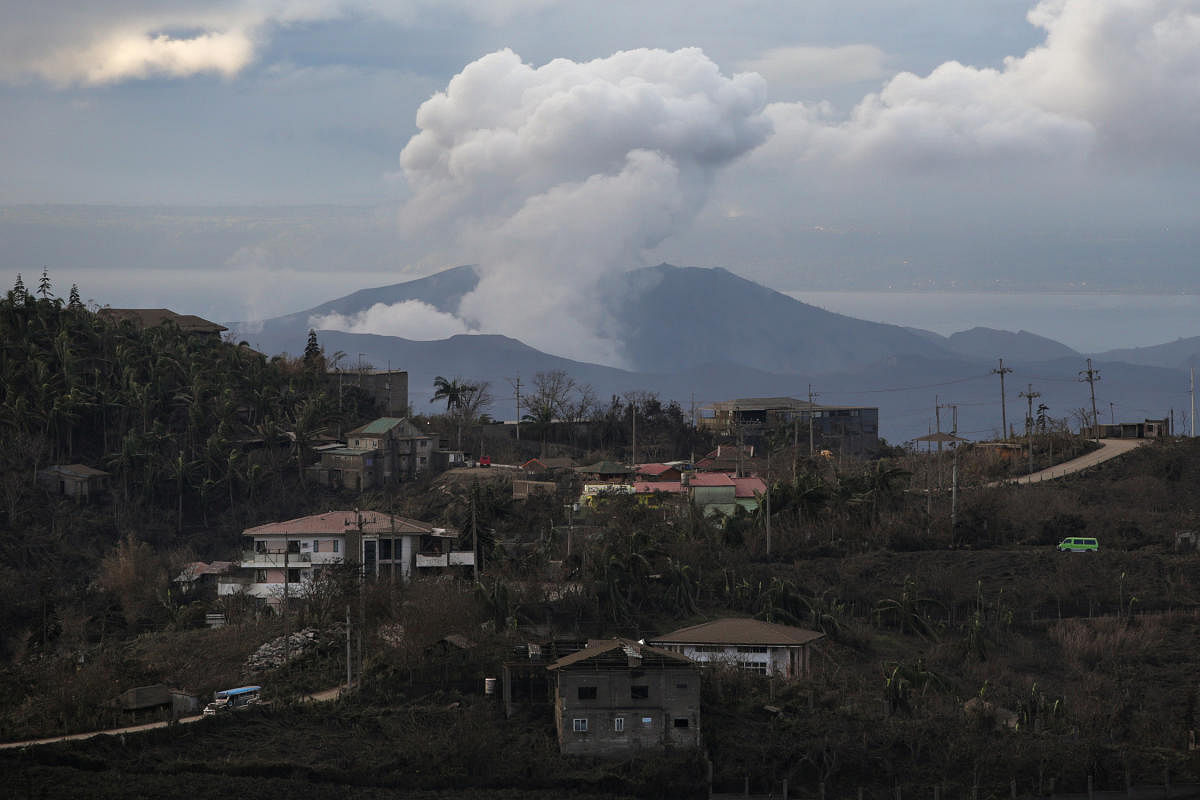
(77, 481)
(279, 558)
(617, 696)
(776, 650)
(849, 430)
(385, 450)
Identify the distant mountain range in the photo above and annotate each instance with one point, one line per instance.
(699, 335)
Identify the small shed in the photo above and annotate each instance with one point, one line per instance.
(77, 481)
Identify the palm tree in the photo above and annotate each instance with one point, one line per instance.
(452, 391)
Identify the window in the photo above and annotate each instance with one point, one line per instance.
(579, 724)
(681, 686)
(335, 545)
(639, 692)
(293, 576)
(754, 666)
(316, 545)
(587, 692)
(385, 549)
(619, 725)
(681, 722)
(260, 576)
(752, 649)
(647, 722)
(293, 546)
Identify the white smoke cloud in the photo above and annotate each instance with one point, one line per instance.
(77, 42)
(1112, 75)
(556, 177)
(410, 319)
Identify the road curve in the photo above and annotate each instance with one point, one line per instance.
(1109, 449)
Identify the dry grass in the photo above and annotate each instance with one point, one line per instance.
(1087, 643)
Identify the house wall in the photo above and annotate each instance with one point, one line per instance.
(657, 720)
(783, 662)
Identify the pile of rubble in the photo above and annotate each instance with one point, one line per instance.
(277, 652)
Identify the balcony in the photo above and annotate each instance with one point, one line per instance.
(457, 558)
(260, 560)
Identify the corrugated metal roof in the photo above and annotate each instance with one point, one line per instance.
(739, 631)
(630, 648)
(711, 479)
(374, 522)
(653, 469)
(377, 427)
(76, 470)
(748, 487)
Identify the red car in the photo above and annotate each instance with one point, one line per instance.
(485, 461)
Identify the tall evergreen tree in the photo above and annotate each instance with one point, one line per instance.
(312, 351)
(18, 289)
(44, 284)
(74, 303)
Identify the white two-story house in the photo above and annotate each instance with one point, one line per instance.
(279, 558)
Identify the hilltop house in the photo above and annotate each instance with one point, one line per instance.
(279, 558)
(153, 317)
(849, 430)
(617, 695)
(379, 452)
(750, 644)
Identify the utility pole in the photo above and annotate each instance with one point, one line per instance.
(1112, 413)
(633, 415)
(516, 384)
(1029, 396)
(349, 682)
(474, 533)
(768, 502)
(1192, 392)
(811, 414)
(954, 474)
(1002, 371)
(1090, 376)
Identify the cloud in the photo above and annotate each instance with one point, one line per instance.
(411, 319)
(1114, 75)
(92, 44)
(554, 178)
(810, 67)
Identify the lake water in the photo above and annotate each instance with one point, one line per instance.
(1087, 322)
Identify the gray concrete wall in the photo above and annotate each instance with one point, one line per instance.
(668, 715)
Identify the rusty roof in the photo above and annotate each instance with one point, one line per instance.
(630, 648)
(153, 317)
(739, 630)
(76, 470)
(373, 522)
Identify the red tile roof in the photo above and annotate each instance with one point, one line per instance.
(343, 522)
(739, 630)
(653, 469)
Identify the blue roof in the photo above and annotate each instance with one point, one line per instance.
(239, 690)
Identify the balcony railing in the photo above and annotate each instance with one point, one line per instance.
(257, 558)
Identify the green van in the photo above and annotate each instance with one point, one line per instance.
(1079, 544)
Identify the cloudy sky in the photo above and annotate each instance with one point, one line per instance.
(243, 158)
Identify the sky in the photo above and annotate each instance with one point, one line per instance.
(247, 158)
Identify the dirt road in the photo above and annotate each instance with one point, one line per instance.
(1109, 448)
(317, 697)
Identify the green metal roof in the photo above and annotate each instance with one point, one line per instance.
(379, 426)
